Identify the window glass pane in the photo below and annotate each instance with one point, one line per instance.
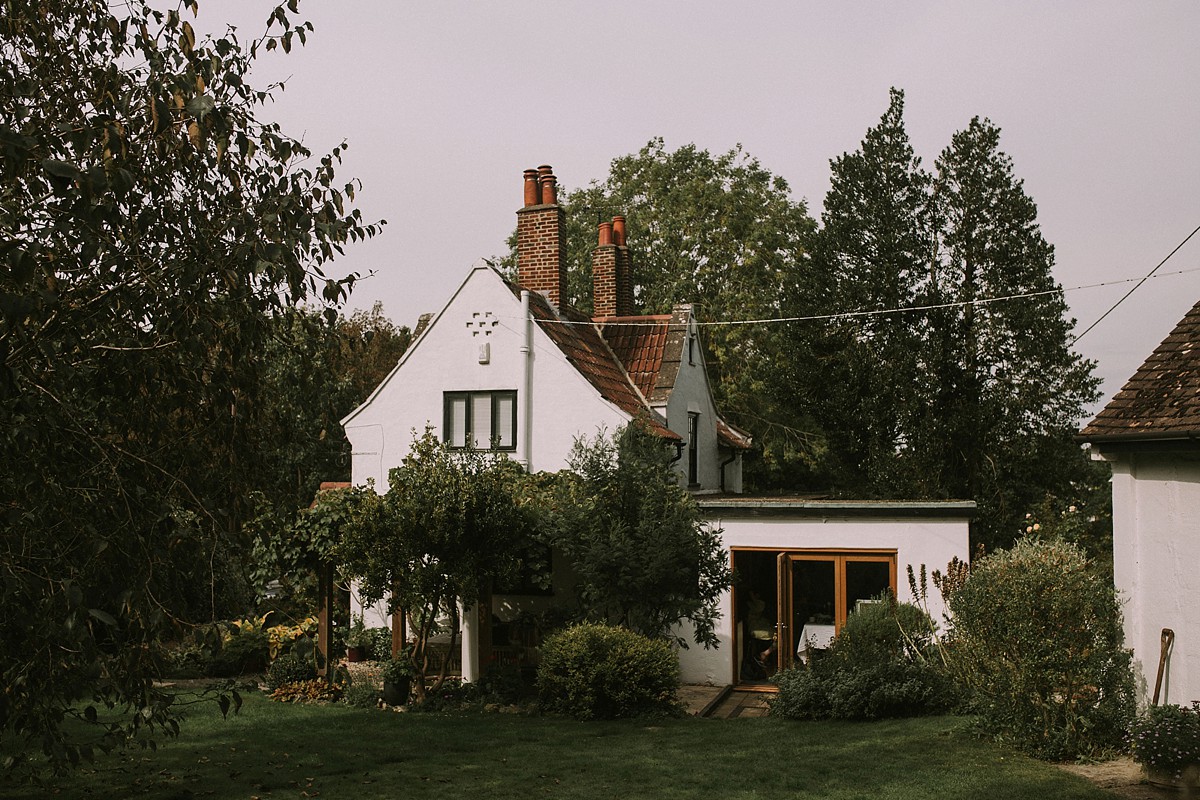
(865, 581)
(456, 422)
(505, 420)
(481, 420)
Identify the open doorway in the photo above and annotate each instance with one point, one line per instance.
(790, 604)
(756, 603)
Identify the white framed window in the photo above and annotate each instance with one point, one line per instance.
(480, 420)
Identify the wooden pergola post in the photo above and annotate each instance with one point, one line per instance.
(325, 620)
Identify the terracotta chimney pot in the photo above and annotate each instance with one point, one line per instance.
(549, 186)
(618, 229)
(533, 194)
(606, 234)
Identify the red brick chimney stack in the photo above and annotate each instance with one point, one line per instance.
(541, 240)
(604, 274)
(624, 270)
(612, 283)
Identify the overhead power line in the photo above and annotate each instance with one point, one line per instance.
(1149, 275)
(907, 309)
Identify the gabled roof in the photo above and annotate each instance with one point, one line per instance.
(580, 341)
(1162, 399)
(650, 347)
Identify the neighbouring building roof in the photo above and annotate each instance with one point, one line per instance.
(815, 506)
(1162, 399)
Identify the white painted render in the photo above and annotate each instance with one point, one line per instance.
(692, 394)
(932, 542)
(1156, 566)
(446, 358)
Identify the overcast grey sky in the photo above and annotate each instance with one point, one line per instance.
(445, 103)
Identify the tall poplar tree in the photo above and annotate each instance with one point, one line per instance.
(967, 395)
(1005, 391)
(871, 255)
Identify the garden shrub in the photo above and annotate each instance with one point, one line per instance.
(290, 668)
(597, 671)
(380, 647)
(315, 690)
(243, 652)
(360, 695)
(1037, 640)
(1167, 738)
(883, 664)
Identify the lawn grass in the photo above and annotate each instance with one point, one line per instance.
(282, 750)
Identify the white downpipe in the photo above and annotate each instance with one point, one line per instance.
(527, 389)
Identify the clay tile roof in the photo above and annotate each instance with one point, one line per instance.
(580, 341)
(643, 345)
(730, 436)
(1162, 399)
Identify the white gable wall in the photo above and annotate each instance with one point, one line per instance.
(1156, 566)
(692, 395)
(446, 359)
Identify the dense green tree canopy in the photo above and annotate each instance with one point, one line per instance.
(151, 226)
(974, 390)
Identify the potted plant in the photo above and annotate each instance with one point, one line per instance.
(1166, 742)
(397, 679)
(358, 641)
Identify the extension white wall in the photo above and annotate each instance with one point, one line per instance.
(932, 542)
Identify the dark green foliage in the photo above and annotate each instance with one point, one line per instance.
(450, 524)
(1167, 738)
(1037, 638)
(643, 557)
(595, 671)
(360, 695)
(290, 668)
(151, 228)
(243, 653)
(379, 643)
(883, 664)
(967, 398)
(504, 683)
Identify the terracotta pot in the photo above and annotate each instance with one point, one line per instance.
(356, 654)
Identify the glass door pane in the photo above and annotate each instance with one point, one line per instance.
(866, 580)
(813, 600)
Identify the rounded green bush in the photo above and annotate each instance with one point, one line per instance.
(883, 664)
(595, 671)
(290, 668)
(1037, 639)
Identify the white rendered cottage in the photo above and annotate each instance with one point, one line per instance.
(517, 366)
(1150, 435)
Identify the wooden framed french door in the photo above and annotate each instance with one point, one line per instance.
(817, 590)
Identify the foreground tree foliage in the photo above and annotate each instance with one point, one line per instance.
(970, 396)
(643, 557)
(151, 226)
(450, 524)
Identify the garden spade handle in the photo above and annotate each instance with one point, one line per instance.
(1168, 639)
